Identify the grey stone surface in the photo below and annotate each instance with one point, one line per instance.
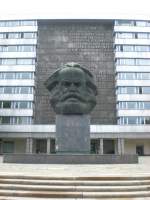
(72, 134)
(70, 159)
(88, 43)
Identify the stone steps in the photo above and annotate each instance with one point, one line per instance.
(75, 183)
(56, 194)
(107, 187)
(32, 198)
(74, 188)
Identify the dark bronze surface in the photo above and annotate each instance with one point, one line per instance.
(72, 90)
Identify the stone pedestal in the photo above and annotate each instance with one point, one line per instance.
(72, 134)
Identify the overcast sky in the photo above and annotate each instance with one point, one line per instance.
(74, 9)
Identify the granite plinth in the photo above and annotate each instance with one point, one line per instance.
(72, 134)
(70, 159)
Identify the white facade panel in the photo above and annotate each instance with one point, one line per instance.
(28, 128)
(132, 54)
(17, 54)
(16, 112)
(131, 129)
(19, 29)
(136, 29)
(128, 68)
(133, 82)
(133, 97)
(125, 113)
(16, 82)
(18, 41)
(132, 41)
(130, 146)
(17, 68)
(17, 97)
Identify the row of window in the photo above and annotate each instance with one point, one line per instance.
(132, 23)
(16, 104)
(17, 61)
(133, 90)
(133, 120)
(132, 48)
(22, 35)
(133, 76)
(132, 61)
(18, 23)
(134, 105)
(130, 35)
(16, 90)
(18, 48)
(15, 120)
(16, 75)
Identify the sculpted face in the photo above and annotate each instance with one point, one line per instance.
(71, 91)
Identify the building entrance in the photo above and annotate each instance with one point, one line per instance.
(140, 150)
(95, 146)
(41, 146)
(109, 146)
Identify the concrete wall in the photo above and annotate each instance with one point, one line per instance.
(20, 146)
(88, 43)
(130, 146)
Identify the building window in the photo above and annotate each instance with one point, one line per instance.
(16, 75)
(8, 61)
(141, 23)
(143, 62)
(16, 90)
(21, 35)
(4, 120)
(2, 35)
(18, 61)
(125, 35)
(8, 147)
(146, 90)
(25, 61)
(14, 35)
(139, 105)
(132, 48)
(30, 35)
(142, 48)
(15, 120)
(28, 23)
(17, 48)
(21, 120)
(6, 104)
(133, 76)
(121, 61)
(133, 90)
(124, 23)
(13, 23)
(22, 104)
(133, 61)
(133, 120)
(16, 104)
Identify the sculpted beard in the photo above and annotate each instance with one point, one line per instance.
(66, 101)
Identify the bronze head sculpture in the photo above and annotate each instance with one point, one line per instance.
(72, 90)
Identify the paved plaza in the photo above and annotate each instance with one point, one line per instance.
(54, 170)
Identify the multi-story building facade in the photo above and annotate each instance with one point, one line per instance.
(117, 52)
(132, 54)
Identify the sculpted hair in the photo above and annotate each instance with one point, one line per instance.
(53, 80)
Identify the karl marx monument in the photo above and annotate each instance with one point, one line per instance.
(73, 97)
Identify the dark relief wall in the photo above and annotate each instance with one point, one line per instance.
(88, 43)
